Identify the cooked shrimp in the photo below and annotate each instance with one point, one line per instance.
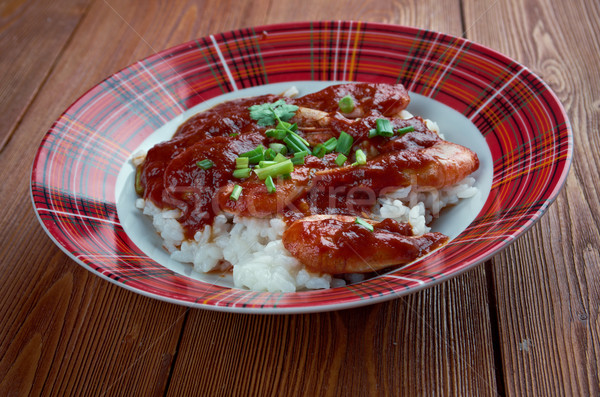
(443, 164)
(386, 99)
(316, 126)
(336, 244)
(307, 117)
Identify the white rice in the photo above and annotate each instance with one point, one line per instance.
(252, 246)
(420, 207)
(254, 249)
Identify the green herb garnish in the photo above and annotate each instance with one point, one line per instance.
(205, 164)
(255, 155)
(295, 143)
(270, 154)
(276, 133)
(242, 173)
(346, 104)
(340, 159)
(298, 158)
(330, 145)
(270, 184)
(319, 151)
(235, 194)
(267, 114)
(139, 189)
(404, 130)
(361, 158)
(278, 148)
(279, 158)
(242, 162)
(277, 169)
(325, 148)
(384, 128)
(344, 143)
(364, 224)
(266, 163)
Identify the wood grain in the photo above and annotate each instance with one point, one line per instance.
(547, 282)
(67, 332)
(32, 35)
(434, 342)
(102, 337)
(61, 324)
(423, 344)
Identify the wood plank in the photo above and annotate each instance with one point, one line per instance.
(549, 325)
(435, 342)
(32, 35)
(64, 321)
(72, 333)
(67, 332)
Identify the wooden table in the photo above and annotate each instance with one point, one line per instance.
(525, 322)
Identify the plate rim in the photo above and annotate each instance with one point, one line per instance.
(317, 306)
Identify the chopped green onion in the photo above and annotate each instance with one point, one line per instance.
(283, 128)
(270, 184)
(265, 163)
(275, 133)
(242, 162)
(292, 145)
(346, 104)
(404, 130)
(384, 128)
(256, 159)
(235, 194)
(255, 155)
(242, 173)
(279, 158)
(233, 134)
(139, 189)
(364, 224)
(340, 159)
(344, 143)
(298, 158)
(301, 139)
(319, 151)
(330, 145)
(284, 125)
(295, 143)
(361, 157)
(205, 164)
(278, 148)
(269, 154)
(372, 133)
(285, 167)
(257, 150)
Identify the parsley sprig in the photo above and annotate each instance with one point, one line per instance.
(279, 112)
(267, 114)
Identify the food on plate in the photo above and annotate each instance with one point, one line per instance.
(337, 244)
(301, 193)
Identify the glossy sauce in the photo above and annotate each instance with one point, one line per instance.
(338, 246)
(170, 178)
